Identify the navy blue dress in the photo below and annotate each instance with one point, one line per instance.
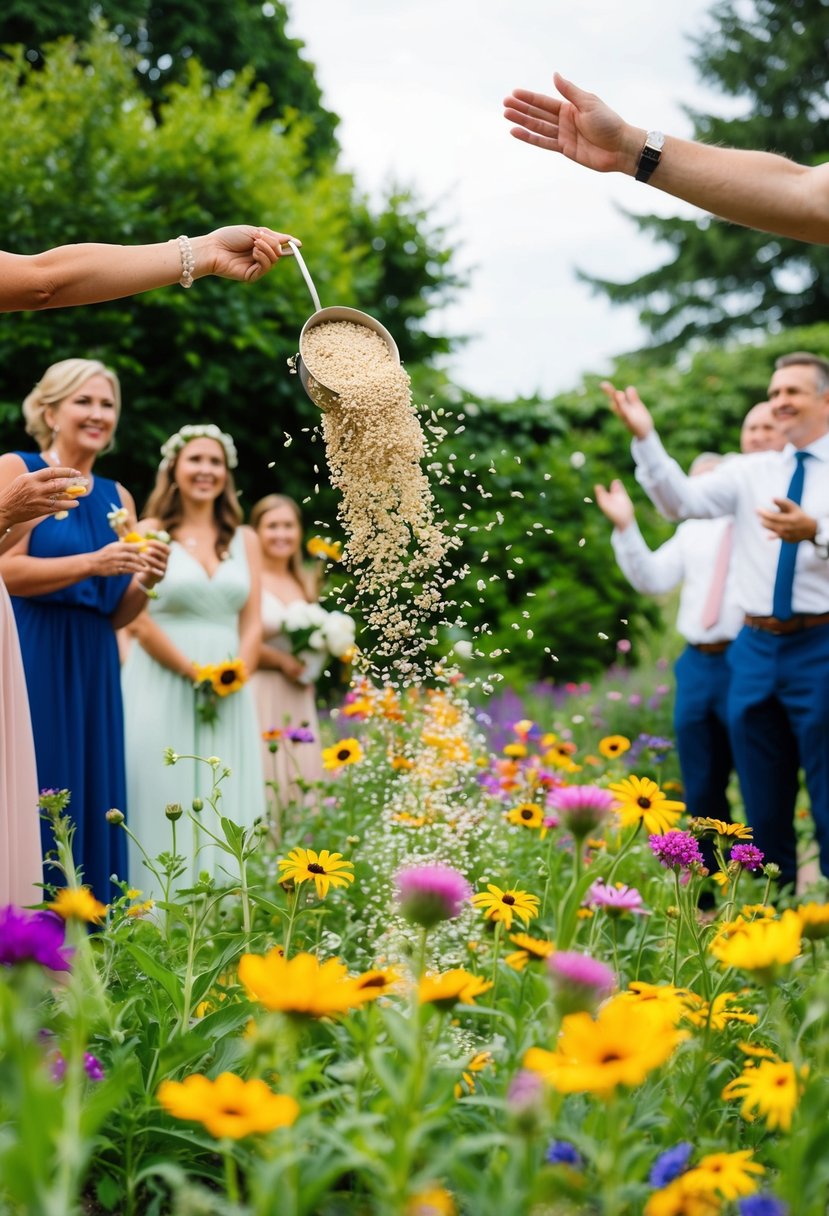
(70, 657)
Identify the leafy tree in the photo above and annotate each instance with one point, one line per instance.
(226, 39)
(723, 280)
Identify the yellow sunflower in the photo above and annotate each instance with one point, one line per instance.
(638, 799)
(326, 869)
(529, 948)
(501, 905)
(770, 1089)
(78, 903)
(526, 815)
(726, 1174)
(760, 945)
(302, 985)
(623, 1044)
(670, 999)
(228, 677)
(447, 989)
(613, 745)
(347, 751)
(814, 920)
(228, 1107)
(515, 750)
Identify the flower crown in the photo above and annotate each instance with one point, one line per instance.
(208, 430)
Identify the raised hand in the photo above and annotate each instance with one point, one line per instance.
(245, 253)
(616, 504)
(628, 405)
(578, 125)
(31, 495)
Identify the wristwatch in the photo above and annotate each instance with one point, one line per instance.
(821, 537)
(650, 155)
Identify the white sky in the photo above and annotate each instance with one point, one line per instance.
(418, 88)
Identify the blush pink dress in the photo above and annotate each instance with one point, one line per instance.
(20, 858)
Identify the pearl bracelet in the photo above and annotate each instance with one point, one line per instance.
(188, 260)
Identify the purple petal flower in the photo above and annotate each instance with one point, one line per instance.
(36, 937)
(676, 850)
(582, 807)
(300, 734)
(579, 981)
(762, 1205)
(615, 900)
(670, 1164)
(562, 1152)
(57, 1066)
(93, 1067)
(526, 1091)
(748, 855)
(428, 894)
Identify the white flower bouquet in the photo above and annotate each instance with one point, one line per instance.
(315, 635)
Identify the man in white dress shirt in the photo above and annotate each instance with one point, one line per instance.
(778, 702)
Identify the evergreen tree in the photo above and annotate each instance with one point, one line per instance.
(771, 56)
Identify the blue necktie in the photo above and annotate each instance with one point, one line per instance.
(784, 580)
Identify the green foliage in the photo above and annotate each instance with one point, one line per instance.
(722, 280)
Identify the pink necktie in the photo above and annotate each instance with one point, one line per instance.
(713, 601)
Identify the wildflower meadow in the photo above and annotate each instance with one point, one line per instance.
(470, 974)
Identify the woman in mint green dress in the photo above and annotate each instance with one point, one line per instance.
(207, 613)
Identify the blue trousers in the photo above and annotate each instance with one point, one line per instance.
(778, 714)
(702, 740)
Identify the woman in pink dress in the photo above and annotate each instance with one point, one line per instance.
(283, 686)
(56, 278)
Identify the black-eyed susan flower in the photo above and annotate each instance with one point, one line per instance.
(529, 949)
(770, 1089)
(526, 815)
(451, 987)
(686, 1195)
(229, 1107)
(228, 677)
(622, 1045)
(516, 751)
(78, 903)
(613, 745)
(760, 945)
(498, 905)
(640, 800)
(814, 920)
(727, 1174)
(379, 981)
(466, 1085)
(721, 1012)
(347, 751)
(302, 985)
(324, 868)
(704, 826)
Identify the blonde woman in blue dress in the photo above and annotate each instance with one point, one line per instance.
(208, 612)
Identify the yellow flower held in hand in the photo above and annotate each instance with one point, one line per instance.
(78, 903)
(228, 1107)
(638, 799)
(326, 869)
(347, 751)
(501, 905)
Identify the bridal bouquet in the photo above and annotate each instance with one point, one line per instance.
(315, 635)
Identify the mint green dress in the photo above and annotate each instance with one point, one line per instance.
(200, 615)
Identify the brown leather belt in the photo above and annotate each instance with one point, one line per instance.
(803, 620)
(710, 647)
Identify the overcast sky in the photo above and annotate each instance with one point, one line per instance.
(418, 88)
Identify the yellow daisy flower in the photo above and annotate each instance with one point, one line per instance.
(760, 945)
(814, 920)
(717, 827)
(613, 745)
(78, 903)
(228, 1107)
(620, 1046)
(770, 1089)
(478, 1063)
(433, 1201)
(685, 1196)
(727, 1174)
(515, 750)
(326, 869)
(302, 985)
(670, 999)
(228, 677)
(719, 1014)
(447, 989)
(501, 905)
(535, 948)
(347, 751)
(526, 815)
(638, 799)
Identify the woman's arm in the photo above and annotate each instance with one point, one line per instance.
(154, 556)
(27, 497)
(250, 618)
(271, 658)
(89, 273)
(152, 638)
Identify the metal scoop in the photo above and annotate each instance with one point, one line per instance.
(320, 394)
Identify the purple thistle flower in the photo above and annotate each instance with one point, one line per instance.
(582, 807)
(93, 1067)
(748, 856)
(428, 894)
(615, 900)
(670, 1164)
(762, 1205)
(676, 850)
(36, 937)
(562, 1152)
(57, 1066)
(579, 981)
(300, 734)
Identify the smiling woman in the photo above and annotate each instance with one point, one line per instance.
(72, 585)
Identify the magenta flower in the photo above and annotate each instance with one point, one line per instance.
(676, 850)
(93, 1067)
(582, 807)
(428, 894)
(579, 981)
(299, 734)
(748, 856)
(36, 937)
(615, 900)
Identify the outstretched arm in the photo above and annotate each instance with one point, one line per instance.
(90, 273)
(757, 189)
